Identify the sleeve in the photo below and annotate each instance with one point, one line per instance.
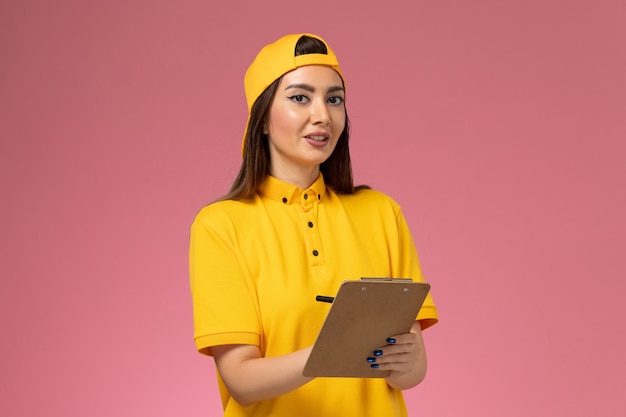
(224, 310)
(407, 264)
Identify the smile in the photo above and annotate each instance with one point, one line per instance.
(316, 137)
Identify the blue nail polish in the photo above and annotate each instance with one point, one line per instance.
(391, 340)
(378, 352)
(374, 365)
(371, 360)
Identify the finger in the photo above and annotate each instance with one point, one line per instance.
(402, 338)
(395, 356)
(399, 354)
(402, 345)
(402, 366)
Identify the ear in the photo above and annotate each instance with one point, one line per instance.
(265, 129)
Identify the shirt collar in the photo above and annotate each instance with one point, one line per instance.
(292, 194)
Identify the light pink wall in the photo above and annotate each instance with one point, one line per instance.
(499, 126)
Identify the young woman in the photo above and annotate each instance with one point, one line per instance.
(293, 226)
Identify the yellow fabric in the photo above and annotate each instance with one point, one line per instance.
(255, 275)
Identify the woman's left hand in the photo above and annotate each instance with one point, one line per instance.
(404, 356)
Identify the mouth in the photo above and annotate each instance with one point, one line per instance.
(318, 137)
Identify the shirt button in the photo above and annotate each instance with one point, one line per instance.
(315, 253)
(319, 197)
(306, 196)
(310, 224)
(284, 199)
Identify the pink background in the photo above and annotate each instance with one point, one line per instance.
(498, 125)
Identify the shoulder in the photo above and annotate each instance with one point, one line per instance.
(224, 212)
(370, 206)
(369, 199)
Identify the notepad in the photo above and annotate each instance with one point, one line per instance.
(363, 315)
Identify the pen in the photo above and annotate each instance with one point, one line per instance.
(324, 299)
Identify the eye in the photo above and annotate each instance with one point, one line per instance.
(336, 100)
(299, 98)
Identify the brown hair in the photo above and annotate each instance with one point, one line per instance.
(337, 169)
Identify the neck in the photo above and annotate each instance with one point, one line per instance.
(302, 177)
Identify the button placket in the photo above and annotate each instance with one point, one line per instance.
(310, 205)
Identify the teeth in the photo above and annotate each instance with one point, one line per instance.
(317, 137)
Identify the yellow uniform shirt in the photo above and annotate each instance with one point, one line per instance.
(256, 267)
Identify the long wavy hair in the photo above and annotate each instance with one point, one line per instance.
(337, 169)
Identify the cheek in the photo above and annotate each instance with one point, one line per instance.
(281, 121)
(339, 122)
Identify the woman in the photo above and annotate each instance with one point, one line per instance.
(293, 226)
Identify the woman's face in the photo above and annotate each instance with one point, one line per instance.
(305, 120)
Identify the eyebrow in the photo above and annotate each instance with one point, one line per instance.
(311, 89)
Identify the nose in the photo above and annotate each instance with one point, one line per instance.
(319, 112)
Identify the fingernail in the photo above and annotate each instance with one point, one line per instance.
(371, 360)
(374, 365)
(378, 352)
(391, 340)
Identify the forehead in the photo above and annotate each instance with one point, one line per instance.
(319, 76)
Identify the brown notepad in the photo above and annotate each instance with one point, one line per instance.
(363, 315)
